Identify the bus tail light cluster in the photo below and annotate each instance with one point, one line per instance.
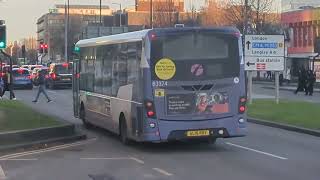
(242, 105)
(151, 113)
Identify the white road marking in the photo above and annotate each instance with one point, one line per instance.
(137, 160)
(111, 158)
(53, 92)
(162, 171)
(12, 156)
(116, 158)
(2, 174)
(257, 151)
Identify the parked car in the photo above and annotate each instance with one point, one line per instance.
(21, 78)
(31, 67)
(60, 74)
(25, 66)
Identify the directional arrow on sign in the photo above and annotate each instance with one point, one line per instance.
(248, 44)
(249, 64)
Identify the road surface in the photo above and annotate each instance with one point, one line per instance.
(266, 153)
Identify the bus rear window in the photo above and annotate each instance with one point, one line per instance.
(198, 55)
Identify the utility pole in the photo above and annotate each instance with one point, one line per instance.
(100, 13)
(65, 32)
(151, 14)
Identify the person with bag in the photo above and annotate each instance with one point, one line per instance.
(7, 85)
(41, 80)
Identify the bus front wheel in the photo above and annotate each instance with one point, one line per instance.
(124, 132)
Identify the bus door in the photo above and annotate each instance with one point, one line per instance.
(75, 87)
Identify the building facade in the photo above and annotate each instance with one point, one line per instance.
(174, 5)
(303, 27)
(51, 27)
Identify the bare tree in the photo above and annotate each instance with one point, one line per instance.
(259, 13)
(165, 14)
(213, 14)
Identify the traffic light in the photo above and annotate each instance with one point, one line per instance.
(76, 49)
(3, 37)
(45, 48)
(41, 48)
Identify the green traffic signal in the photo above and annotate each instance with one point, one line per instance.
(3, 37)
(2, 45)
(76, 49)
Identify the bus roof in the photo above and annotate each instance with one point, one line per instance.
(117, 38)
(138, 35)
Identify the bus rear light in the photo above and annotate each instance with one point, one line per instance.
(242, 109)
(242, 105)
(151, 113)
(243, 100)
(153, 36)
(237, 34)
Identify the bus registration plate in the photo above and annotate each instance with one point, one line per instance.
(198, 133)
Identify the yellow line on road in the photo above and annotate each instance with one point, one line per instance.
(16, 155)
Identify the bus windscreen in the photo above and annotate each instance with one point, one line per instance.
(198, 56)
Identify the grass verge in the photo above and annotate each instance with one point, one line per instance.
(16, 116)
(302, 114)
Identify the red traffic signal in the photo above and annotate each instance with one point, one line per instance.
(43, 48)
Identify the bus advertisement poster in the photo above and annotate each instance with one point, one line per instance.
(200, 103)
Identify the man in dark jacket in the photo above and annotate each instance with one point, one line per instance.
(42, 87)
(7, 85)
(302, 78)
(311, 79)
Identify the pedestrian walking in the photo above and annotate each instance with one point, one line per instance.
(288, 75)
(269, 76)
(301, 81)
(7, 85)
(311, 79)
(42, 87)
(1, 84)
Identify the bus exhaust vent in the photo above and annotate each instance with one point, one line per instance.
(198, 87)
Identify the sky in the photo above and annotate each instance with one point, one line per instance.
(21, 15)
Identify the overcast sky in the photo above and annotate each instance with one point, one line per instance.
(21, 15)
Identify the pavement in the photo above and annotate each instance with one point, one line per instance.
(266, 153)
(265, 91)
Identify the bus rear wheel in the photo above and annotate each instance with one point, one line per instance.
(124, 132)
(83, 118)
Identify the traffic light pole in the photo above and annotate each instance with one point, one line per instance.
(42, 56)
(10, 72)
